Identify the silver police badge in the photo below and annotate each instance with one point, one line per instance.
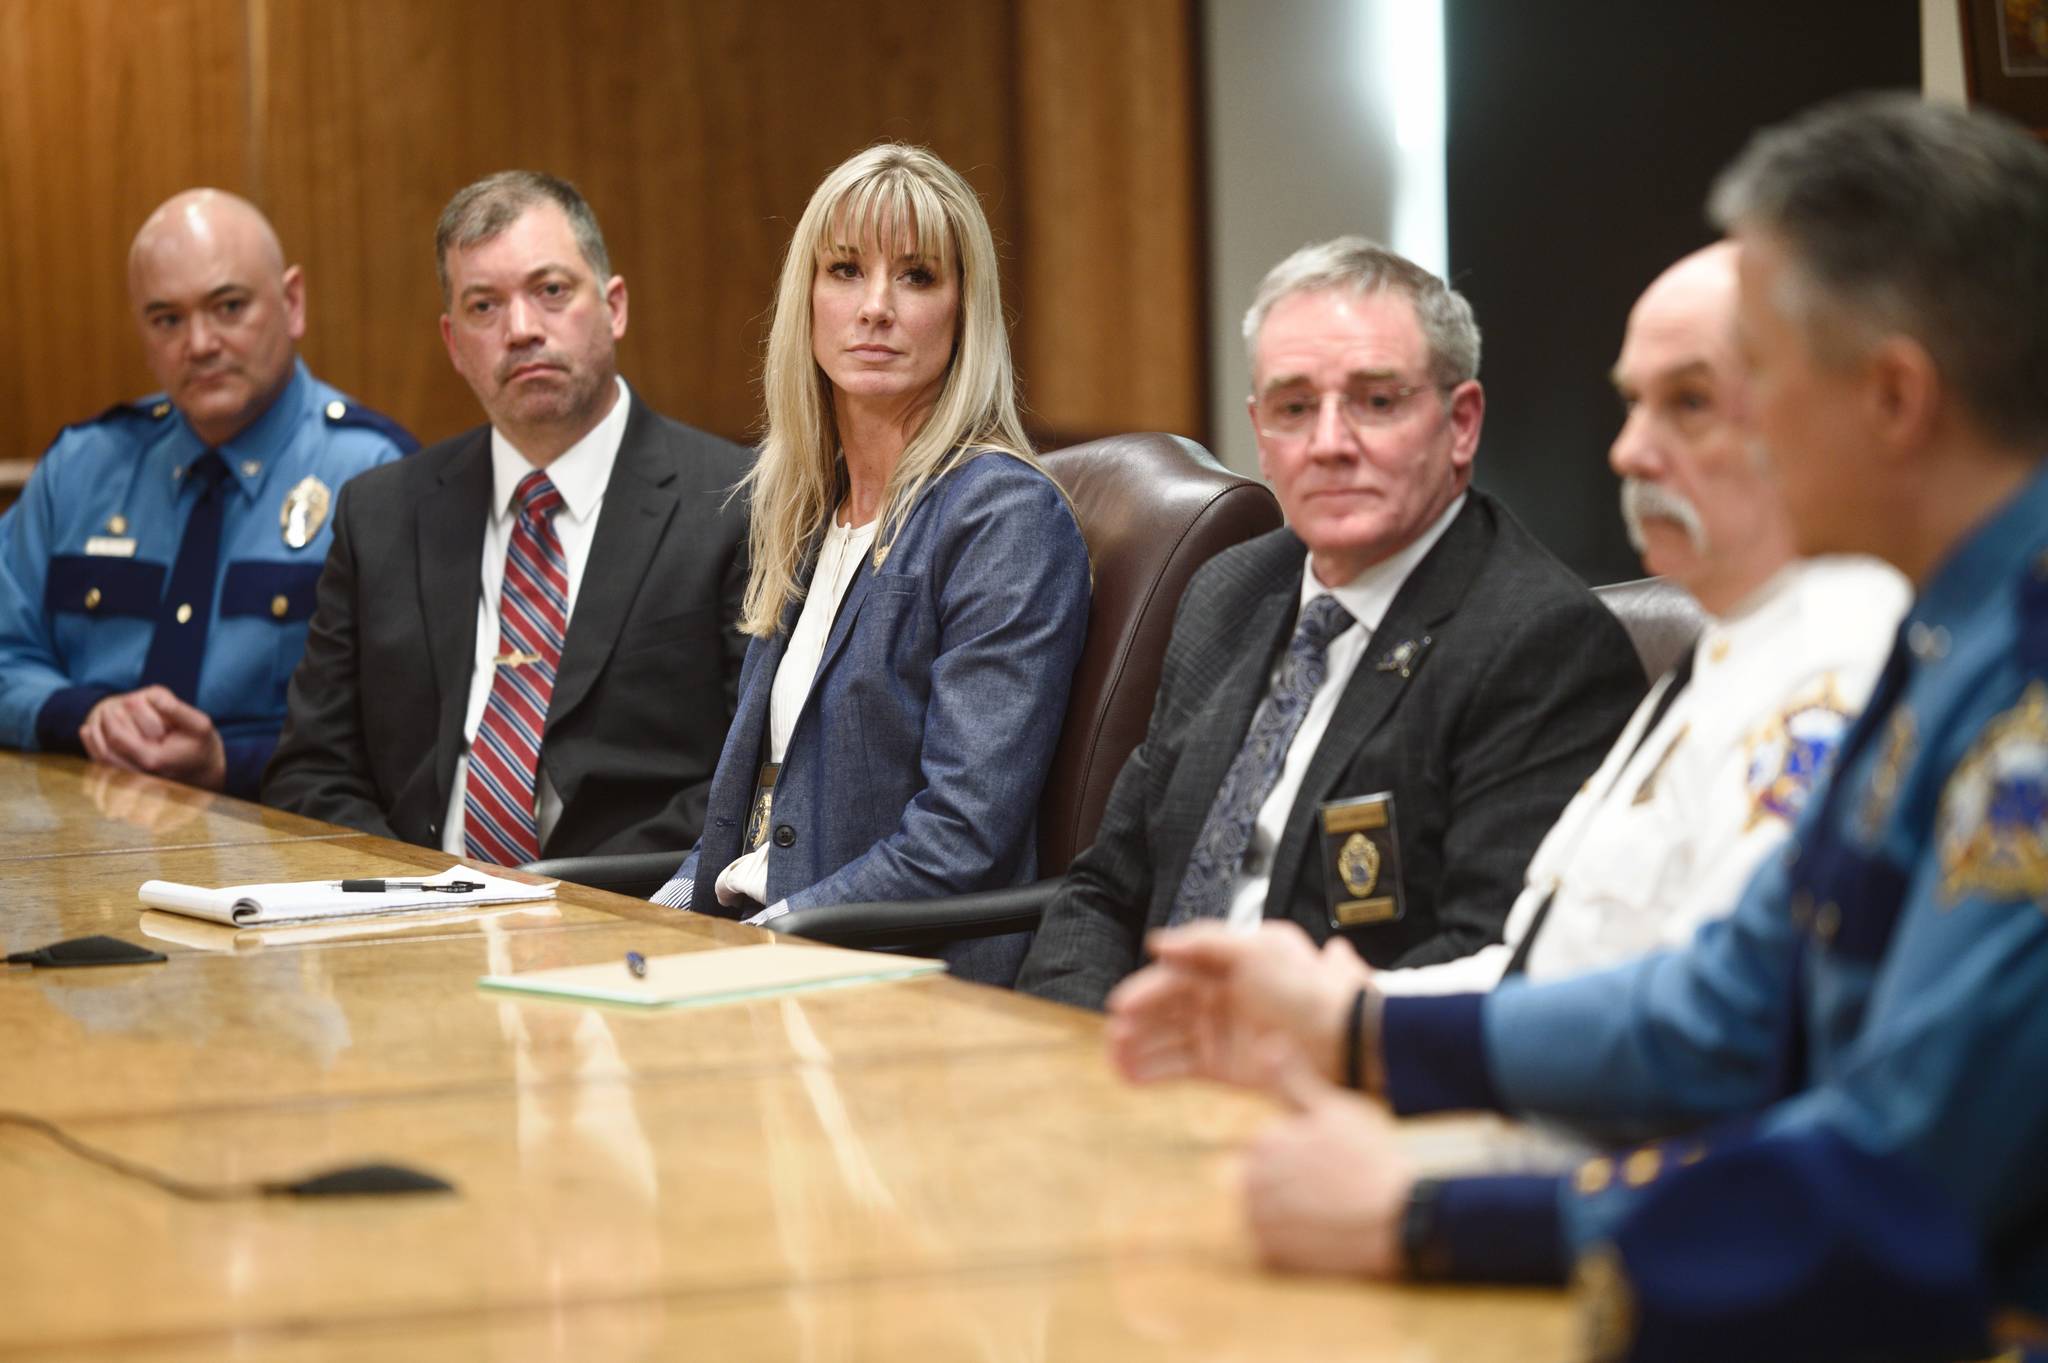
(305, 508)
(1789, 752)
(1991, 834)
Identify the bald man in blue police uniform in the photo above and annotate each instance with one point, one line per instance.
(1842, 1083)
(157, 575)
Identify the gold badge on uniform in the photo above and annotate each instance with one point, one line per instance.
(1361, 860)
(1991, 834)
(305, 508)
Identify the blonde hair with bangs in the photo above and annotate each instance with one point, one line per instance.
(884, 194)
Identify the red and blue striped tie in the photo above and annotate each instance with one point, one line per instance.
(499, 814)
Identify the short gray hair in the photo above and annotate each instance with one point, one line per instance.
(1902, 217)
(482, 210)
(1357, 265)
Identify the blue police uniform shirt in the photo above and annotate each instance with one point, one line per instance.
(1881, 982)
(86, 554)
(1819, 1250)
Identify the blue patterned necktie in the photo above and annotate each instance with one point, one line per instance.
(178, 647)
(1205, 891)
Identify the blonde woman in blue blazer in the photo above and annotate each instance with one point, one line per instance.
(919, 590)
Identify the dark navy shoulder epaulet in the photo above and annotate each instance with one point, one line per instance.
(342, 412)
(141, 414)
(2033, 620)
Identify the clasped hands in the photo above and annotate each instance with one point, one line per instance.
(154, 732)
(1327, 1186)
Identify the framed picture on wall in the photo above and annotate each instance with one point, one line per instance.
(2005, 58)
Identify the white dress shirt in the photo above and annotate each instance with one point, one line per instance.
(1668, 830)
(839, 556)
(581, 474)
(1366, 597)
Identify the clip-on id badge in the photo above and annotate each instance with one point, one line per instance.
(1361, 860)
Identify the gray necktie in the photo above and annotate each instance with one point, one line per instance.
(1205, 890)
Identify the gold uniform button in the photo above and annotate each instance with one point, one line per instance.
(1826, 922)
(278, 606)
(92, 598)
(160, 411)
(184, 614)
(1595, 1174)
(336, 410)
(1643, 1166)
(118, 525)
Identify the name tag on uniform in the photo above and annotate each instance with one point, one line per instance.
(1361, 860)
(110, 546)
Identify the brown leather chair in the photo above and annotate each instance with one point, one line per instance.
(1661, 618)
(1153, 508)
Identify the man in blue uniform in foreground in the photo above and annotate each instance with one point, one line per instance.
(1837, 1091)
(157, 575)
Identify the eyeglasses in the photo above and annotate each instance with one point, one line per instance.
(1292, 413)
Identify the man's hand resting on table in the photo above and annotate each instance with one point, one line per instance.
(152, 731)
(1326, 1187)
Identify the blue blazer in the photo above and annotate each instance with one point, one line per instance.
(915, 766)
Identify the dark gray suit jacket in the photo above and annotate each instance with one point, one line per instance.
(1522, 685)
(650, 665)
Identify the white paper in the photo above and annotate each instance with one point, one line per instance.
(304, 901)
(718, 974)
(204, 935)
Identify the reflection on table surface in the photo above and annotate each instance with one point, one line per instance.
(925, 1169)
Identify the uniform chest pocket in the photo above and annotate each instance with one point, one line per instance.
(284, 592)
(92, 585)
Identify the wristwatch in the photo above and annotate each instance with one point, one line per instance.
(1424, 1255)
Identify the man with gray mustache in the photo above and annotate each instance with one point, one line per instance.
(1709, 773)
(1716, 764)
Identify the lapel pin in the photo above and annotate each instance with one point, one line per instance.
(1401, 657)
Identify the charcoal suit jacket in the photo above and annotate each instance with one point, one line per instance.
(649, 669)
(1516, 681)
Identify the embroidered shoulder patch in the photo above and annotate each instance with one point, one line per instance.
(1787, 754)
(1992, 830)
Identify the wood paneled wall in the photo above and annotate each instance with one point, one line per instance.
(697, 129)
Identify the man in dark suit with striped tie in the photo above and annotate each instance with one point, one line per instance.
(524, 643)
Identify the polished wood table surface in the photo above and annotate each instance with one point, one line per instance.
(918, 1170)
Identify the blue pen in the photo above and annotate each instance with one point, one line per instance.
(636, 963)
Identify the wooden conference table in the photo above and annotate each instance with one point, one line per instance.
(919, 1170)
